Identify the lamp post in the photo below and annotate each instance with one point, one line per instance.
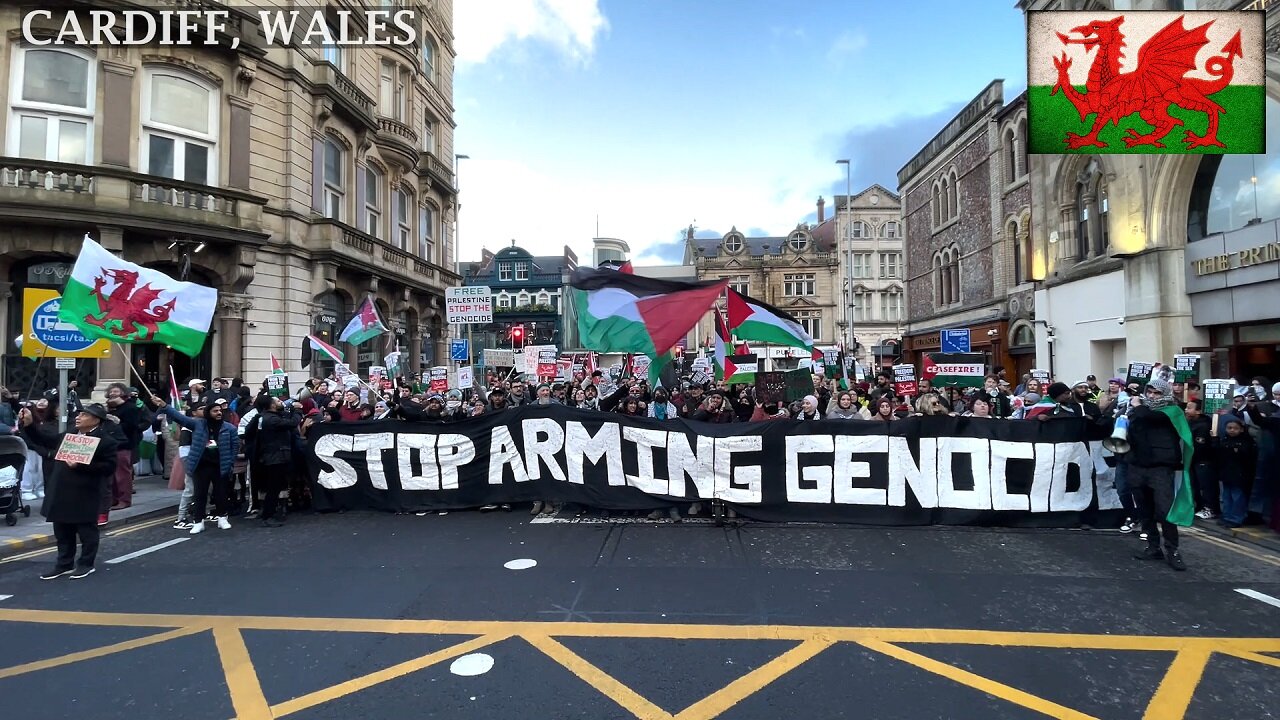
(457, 236)
(848, 231)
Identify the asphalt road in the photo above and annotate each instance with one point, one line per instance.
(377, 616)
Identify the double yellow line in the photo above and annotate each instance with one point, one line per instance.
(1233, 547)
(112, 533)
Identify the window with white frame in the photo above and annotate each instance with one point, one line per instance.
(404, 222)
(798, 242)
(889, 264)
(859, 229)
(889, 229)
(861, 306)
(426, 231)
(332, 54)
(504, 301)
(522, 270)
(504, 271)
(391, 91)
(797, 285)
(522, 299)
(891, 306)
(335, 192)
(862, 265)
(811, 321)
(733, 244)
(179, 127)
(429, 135)
(51, 111)
(544, 298)
(429, 60)
(373, 202)
(740, 284)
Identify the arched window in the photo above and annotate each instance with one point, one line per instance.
(1234, 191)
(335, 173)
(946, 199)
(1015, 242)
(522, 299)
(504, 301)
(859, 229)
(937, 205)
(953, 196)
(179, 127)
(938, 289)
(1008, 153)
(1103, 236)
(427, 233)
(373, 202)
(544, 298)
(1023, 336)
(404, 205)
(1023, 164)
(429, 59)
(889, 229)
(1082, 220)
(52, 106)
(955, 276)
(333, 309)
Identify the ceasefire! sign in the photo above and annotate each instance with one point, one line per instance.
(468, 305)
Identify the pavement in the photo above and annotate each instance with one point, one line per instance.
(151, 496)
(469, 615)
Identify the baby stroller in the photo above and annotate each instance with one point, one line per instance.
(13, 459)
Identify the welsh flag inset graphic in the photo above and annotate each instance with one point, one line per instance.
(1146, 82)
(109, 298)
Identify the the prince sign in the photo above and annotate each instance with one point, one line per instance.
(916, 471)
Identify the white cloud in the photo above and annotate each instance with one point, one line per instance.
(570, 26)
(846, 44)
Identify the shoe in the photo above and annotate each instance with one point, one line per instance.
(119, 506)
(197, 528)
(56, 573)
(223, 523)
(1128, 526)
(1174, 558)
(1149, 553)
(695, 509)
(182, 525)
(1143, 536)
(81, 573)
(673, 512)
(1205, 514)
(28, 497)
(537, 508)
(102, 521)
(655, 515)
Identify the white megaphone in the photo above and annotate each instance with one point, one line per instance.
(1118, 443)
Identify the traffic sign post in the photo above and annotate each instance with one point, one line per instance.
(459, 350)
(955, 341)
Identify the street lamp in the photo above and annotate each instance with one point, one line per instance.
(848, 229)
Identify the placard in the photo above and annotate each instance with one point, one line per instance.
(1139, 373)
(771, 387)
(468, 305)
(465, 381)
(548, 363)
(439, 379)
(1186, 367)
(904, 380)
(278, 385)
(700, 377)
(499, 358)
(376, 374)
(1041, 376)
(640, 366)
(799, 384)
(77, 448)
(1217, 394)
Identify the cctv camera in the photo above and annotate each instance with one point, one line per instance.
(253, 324)
(1121, 321)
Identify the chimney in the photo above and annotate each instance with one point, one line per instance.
(822, 210)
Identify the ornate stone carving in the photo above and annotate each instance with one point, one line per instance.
(187, 65)
(234, 306)
(244, 77)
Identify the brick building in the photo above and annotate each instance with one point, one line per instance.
(294, 180)
(965, 207)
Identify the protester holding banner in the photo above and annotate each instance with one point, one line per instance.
(73, 498)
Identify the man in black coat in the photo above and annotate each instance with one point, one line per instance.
(72, 499)
(1154, 456)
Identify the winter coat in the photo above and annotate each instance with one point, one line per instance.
(228, 441)
(835, 412)
(760, 414)
(1201, 435)
(671, 410)
(74, 494)
(726, 415)
(1153, 439)
(1237, 460)
(273, 442)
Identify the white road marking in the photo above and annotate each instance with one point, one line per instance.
(1261, 597)
(145, 551)
(664, 520)
(472, 665)
(521, 564)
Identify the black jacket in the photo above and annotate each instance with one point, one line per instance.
(1202, 436)
(273, 444)
(1155, 442)
(75, 493)
(1237, 460)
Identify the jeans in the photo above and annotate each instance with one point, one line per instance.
(1122, 488)
(1152, 490)
(66, 534)
(1235, 504)
(122, 488)
(188, 494)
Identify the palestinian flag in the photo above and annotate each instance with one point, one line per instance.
(958, 369)
(741, 369)
(622, 267)
(621, 312)
(321, 346)
(1206, 69)
(366, 324)
(755, 320)
(109, 298)
(276, 368)
(722, 345)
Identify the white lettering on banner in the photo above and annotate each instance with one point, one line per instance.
(819, 469)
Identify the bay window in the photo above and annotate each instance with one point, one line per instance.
(391, 91)
(373, 202)
(51, 115)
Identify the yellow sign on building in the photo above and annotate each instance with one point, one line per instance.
(43, 335)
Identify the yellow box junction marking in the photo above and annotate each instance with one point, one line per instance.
(1170, 701)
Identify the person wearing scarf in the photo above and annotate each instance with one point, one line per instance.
(1160, 446)
(661, 408)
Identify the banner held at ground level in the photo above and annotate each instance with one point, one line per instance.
(923, 470)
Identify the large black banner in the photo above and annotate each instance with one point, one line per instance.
(915, 471)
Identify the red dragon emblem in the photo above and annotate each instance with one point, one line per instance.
(132, 310)
(1158, 81)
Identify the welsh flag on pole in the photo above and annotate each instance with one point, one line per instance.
(109, 298)
(621, 312)
(751, 319)
(366, 325)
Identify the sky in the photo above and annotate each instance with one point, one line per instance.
(636, 119)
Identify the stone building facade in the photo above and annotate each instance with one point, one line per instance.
(965, 203)
(1116, 239)
(872, 302)
(796, 273)
(294, 180)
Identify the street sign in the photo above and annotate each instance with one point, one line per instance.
(955, 341)
(64, 363)
(471, 304)
(458, 351)
(45, 336)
